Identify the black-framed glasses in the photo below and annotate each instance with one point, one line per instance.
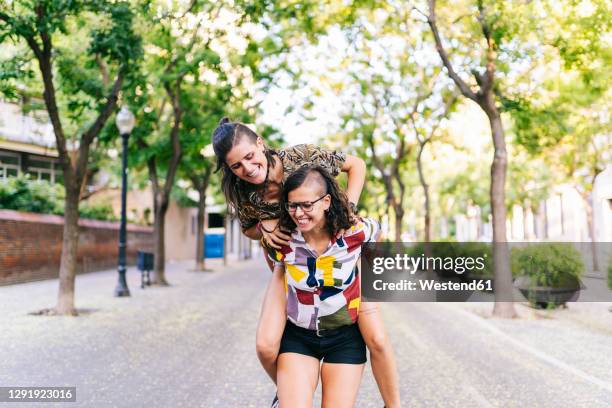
(306, 206)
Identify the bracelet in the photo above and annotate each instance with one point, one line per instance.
(353, 207)
(265, 230)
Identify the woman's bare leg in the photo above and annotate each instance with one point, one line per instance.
(372, 329)
(272, 322)
(340, 383)
(298, 376)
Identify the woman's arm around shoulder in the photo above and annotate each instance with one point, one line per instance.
(355, 168)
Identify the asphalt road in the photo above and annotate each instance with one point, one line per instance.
(192, 345)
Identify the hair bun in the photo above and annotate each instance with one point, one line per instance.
(224, 121)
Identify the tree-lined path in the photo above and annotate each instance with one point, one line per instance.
(192, 344)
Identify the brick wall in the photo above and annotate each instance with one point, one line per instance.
(31, 245)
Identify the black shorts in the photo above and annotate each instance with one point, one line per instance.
(342, 346)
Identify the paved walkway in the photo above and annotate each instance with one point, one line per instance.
(192, 345)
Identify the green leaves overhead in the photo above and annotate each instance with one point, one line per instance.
(580, 36)
(76, 78)
(12, 72)
(116, 41)
(221, 58)
(19, 18)
(202, 61)
(538, 127)
(91, 42)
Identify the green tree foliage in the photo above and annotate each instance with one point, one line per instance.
(567, 114)
(566, 120)
(240, 71)
(495, 38)
(164, 94)
(390, 100)
(77, 54)
(202, 63)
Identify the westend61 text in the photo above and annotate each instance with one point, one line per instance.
(430, 284)
(413, 264)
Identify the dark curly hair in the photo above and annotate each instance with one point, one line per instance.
(338, 217)
(225, 137)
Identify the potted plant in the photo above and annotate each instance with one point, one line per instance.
(548, 275)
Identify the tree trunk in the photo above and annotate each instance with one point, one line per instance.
(393, 202)
(427, 226)
(427, 230)
(485, 98)
(67, 272)
(161, 206)
(525, 206)
(427, 214)
(201, 239)
(501, 256)
(74, 170)
(388, 215)
(588, 205)
(399, 215)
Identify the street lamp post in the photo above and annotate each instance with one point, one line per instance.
(125, 124)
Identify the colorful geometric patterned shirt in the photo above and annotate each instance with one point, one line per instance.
(323, 291)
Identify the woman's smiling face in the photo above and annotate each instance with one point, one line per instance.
(248, 161)
(314, 216)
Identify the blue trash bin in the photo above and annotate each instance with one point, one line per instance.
(214, 245)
